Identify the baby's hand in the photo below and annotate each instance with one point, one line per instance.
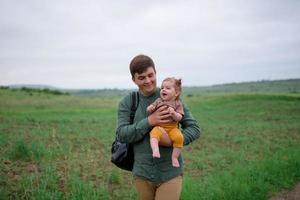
(171, 110)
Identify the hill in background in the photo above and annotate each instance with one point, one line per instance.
(276, 86)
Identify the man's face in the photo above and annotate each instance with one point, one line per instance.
(146, 81)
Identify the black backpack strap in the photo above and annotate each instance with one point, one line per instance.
(135, 97)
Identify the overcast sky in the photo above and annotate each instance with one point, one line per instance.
(89, 43)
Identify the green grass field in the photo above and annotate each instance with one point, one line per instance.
(58, 147)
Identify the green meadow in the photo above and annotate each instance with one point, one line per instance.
(57, 146)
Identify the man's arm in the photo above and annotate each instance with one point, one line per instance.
(190, 128)
(127, 132)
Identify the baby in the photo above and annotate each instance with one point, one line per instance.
(169, 96)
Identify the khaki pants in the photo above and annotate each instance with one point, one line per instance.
(169, 190)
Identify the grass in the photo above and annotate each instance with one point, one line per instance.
(252, 180)
(58, 147)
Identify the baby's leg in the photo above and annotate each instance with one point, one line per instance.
(175, 154)
(154, 147)
(177, 139)
(155, 136)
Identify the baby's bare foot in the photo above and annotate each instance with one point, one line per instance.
(156, 154)
(175, 162)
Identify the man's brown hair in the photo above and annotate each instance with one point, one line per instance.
(140, 63)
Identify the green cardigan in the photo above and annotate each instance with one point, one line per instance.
(145, 166)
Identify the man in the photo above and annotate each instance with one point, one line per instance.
(155, 178)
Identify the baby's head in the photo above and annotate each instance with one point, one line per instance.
(172, 84)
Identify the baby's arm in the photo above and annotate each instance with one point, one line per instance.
(175, 115)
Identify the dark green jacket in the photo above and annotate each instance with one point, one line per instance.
(153, 169)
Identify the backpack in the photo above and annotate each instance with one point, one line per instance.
(122, 154)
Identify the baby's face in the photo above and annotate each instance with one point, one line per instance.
(168, 91)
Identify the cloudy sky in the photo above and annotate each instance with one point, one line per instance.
(89, 44)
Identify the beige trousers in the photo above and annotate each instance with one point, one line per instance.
(169, 190)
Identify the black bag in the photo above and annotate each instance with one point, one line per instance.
(122, 153)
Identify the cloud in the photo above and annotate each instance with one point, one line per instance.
(86, 44)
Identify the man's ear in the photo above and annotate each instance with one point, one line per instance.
(133, 80)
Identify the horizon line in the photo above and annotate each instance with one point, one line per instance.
(44, 86)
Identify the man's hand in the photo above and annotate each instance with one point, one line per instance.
(150, 109)
(160, 116)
